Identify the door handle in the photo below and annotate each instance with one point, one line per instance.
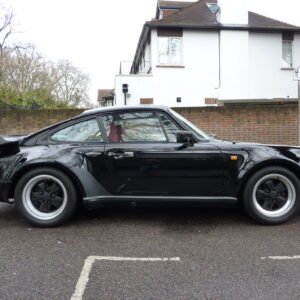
(93, 154)
(120, 155)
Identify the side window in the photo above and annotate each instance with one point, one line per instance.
(170, 126)
(86, 131)
(134, 127)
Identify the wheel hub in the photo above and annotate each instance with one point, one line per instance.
(274, 195)
(45, 197)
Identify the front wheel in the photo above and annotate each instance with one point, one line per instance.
(271, 196)
(45, 197)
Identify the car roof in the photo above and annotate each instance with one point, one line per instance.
(122, 108)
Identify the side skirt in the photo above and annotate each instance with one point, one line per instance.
(134, 201)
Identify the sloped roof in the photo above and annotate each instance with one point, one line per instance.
(173, 4)
(259, 21)
(198, 15)
(104, 94)
(194, 14)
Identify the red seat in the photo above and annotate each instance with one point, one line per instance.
(115, 133)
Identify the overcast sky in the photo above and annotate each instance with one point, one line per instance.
(95, 35)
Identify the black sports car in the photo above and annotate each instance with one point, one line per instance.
(143, 155)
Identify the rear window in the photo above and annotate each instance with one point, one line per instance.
(85, 131)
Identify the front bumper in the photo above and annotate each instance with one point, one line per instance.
(5, 187)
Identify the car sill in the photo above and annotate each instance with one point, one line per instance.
(93, 202)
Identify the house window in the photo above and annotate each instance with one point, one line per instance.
(287, 49)
(170, 46)
(170, 50)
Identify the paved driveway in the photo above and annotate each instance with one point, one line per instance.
(149, 254)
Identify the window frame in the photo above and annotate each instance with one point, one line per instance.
(287, 38)
(173, 120)
(156, 112)
(74, 122)
(169, 63)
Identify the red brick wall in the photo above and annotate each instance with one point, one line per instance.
(270, 123)
(25, 121)
(273, 123)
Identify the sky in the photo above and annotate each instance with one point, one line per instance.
(95, 35)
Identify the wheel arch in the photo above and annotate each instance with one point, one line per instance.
(76, 182)
(291, 166)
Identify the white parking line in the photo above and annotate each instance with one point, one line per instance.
(84, 276)
(282, 257)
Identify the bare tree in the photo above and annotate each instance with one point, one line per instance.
(26, 75)
(6, 27)
(72, 84)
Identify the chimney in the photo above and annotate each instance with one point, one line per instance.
(233, 12)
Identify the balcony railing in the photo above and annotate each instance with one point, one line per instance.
(128, 67)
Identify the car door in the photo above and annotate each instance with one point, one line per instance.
(145, 159)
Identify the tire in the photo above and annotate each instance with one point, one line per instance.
(271, 196)
(45, 197)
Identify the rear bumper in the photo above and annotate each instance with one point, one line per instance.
(4, 190)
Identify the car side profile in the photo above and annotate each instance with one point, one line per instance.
(140, 155)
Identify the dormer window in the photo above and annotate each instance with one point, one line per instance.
(165, 12)
(215, 9)
(287, 49)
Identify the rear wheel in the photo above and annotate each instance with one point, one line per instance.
(271, 195)
(45, 197)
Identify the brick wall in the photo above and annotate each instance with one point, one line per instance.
(264, 123)
(269, 123)
(24, 121)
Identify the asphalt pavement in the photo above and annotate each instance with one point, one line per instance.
(149, 254)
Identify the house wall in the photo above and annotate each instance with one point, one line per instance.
(250, 69)
(139, 86)
(194, 81)
(234, 65)
(273, 123)
(268, 80)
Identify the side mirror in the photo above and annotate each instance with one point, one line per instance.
(186, 138)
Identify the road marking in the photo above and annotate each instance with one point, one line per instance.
(282, 257)
(84, 276)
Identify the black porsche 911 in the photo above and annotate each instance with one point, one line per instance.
(143, 155)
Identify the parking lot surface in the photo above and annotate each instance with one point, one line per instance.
(149, 254)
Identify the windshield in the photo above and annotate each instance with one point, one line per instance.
(198, 133)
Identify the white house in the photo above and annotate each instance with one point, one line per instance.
(195, 53)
